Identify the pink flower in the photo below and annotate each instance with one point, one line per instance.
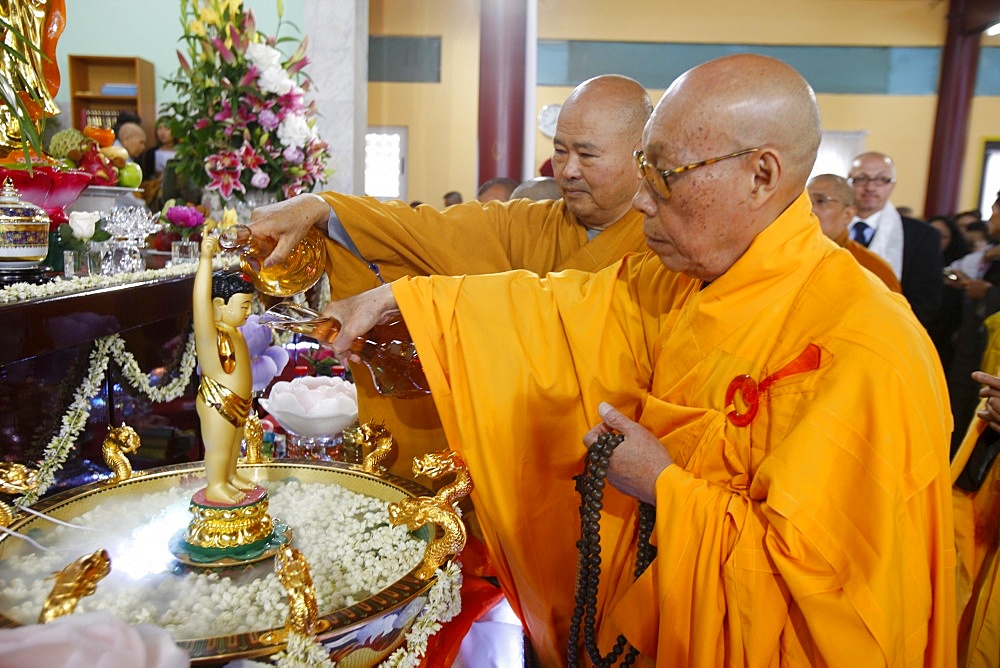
(268, 119)
(185, 216)
(294, 155)
(185, 220)
(260, 179)
(250, 158)
(224, 171)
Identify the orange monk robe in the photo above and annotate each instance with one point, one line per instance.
(977, 530)
(471, 238)
(818, 534)
(870, 261)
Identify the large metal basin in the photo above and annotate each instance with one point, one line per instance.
(360, 634)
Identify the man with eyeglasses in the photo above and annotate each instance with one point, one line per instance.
(911, 247)
(783, 414)
(833, 203)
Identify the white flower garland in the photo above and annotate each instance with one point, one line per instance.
(444, 601)
(75, 419)
(17, 292)
(303, 652)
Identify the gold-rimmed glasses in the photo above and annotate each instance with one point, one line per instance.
(660, 185)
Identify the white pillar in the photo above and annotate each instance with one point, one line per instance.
(528, 166)
(338, 55)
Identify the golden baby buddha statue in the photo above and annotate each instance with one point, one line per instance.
(230, 522)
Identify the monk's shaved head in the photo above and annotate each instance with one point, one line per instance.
(617, 100)
(836, 186)
(741, 134)
(755, 101)
(600, 125)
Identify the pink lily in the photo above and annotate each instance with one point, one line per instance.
(226, 55)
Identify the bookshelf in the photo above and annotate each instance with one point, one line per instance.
(101, 86)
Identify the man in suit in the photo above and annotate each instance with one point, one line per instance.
(911, 247)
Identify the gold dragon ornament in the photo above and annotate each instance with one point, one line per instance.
(77, 580)
(303, 619)
(14, 479)
(438, 509)
(120, 440)
(358, 438)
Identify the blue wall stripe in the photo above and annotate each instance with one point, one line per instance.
(988, 79)
(854, 70)
(407, 59)
(830, 69)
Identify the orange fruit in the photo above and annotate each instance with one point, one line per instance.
(103, 136)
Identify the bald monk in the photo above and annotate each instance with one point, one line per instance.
(538, 188)
(591, 227)
(783, 411)
(833, 203)
(976, 474)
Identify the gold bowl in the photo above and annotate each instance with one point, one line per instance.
(347, 632)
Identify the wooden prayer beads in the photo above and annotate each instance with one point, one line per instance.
(590, 485)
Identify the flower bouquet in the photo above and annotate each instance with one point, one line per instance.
(241, 108)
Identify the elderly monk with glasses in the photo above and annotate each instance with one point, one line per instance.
(771, 419)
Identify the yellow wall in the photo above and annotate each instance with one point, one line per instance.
(442, 117)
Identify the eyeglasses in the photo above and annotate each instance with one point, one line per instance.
(660, 185)
(874, 180)
(823, 200)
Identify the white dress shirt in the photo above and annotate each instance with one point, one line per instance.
(887, 239)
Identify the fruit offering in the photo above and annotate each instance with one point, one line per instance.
(130, 175)
(103, 136)
(67, 141)
(99, 165)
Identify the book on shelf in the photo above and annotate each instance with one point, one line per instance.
(119, 89)
(100, 118)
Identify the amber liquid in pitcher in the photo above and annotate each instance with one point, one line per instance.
(299, 272)
(386, 350)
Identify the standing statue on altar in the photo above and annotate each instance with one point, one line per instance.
(222, 302)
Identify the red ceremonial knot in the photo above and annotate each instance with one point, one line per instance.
(750, 391)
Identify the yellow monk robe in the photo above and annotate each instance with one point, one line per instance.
(977, 530)
(820, 533)
(472, 238)
(869, 261)
(874, 264)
